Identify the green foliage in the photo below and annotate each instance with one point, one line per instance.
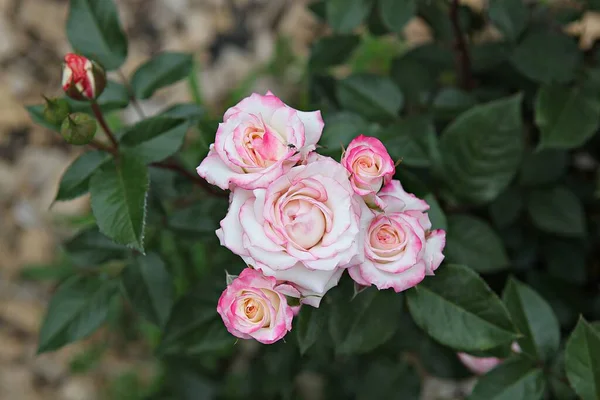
(76, 179)
(581, 360)
(162, 70)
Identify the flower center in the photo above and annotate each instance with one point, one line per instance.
(253, 310)
(304, 222)
(264, 146)
(368, 165)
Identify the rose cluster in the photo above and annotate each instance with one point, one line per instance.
(299, 219)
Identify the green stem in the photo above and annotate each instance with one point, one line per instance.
(100, 118)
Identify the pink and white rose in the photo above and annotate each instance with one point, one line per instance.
(302, 228)
(252, 308)
(479, 365)
(370, 166)
(259, 140)
(400, 248)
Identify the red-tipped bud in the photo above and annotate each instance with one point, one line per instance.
(82, 79)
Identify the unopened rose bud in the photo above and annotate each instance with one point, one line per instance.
(56, 110)
(78, 129)
(82, 79)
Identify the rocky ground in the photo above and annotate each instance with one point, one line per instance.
(231, 39)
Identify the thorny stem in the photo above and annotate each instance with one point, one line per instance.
(100, 117)
(463, 61)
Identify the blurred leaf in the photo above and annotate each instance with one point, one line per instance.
(309, 327)
(534, 318)
(482, 149)
(509, 16)
(375, 54)
(361, 324)
(566, 259)
(435, 13)
(458, 309)
(472, 242)
(36, 113)
(409, 140)
(149, 288)
(450, 102)
(415, 78)
(558, 380)
(435, 213)
(51, 272)
(388, 380)
(515, 379)
(119, 192)
(162, 70)
(76, 310)
(543, 167)
(188, 384)
(488, 55)
(332, 50)
(340, 128)
(345, 15)
(506, 208)
(200, 218)
(374, 97)
(94, 30)
(155, 138)
(582, 362)
(114, 97)
(75, 180)
(547, 56)
(189, 111)
(396, 14)
(89, 248)
(557, 210)
(566, 116)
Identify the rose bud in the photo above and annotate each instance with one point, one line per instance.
(56, 110)
(78, 129)
(252, 307)
(82, 79)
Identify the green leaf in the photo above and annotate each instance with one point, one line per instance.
(119, 192)
(340, 128)
(472, 242)
(547, 56)
(582, 362)
(557, 210)
(156, 138)
(558, 379)
(75, 180)
(114, 97)
(507, 207)
(389, 380)
(482, 149)
(149, 288)
(76, 310)
(566, 116)
(188, 111)
(509, 16)
(332, 50)
(36, 113)
(345, 15)
(94, 30)
(90, 248)
(409, 140)
(534, 318)
(450, 102)
(435, 213)
(161, 70)
(361, 324)
(202, 218)
(396, 14)
(543, 167)
(309, 327)
(566, 259)
(373, 96)
(415, 78)
(515, 379)
(459, 310)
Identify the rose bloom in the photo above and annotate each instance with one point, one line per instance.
(399, 247)
(370, 166)
(259, 140)
(82, 79)
(303, 228)
(252, 307)
(482, 365)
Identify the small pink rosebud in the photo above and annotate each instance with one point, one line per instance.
(82, 79)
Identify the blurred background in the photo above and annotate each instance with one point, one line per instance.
(240, 46)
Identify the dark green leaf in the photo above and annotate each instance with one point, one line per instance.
(36, 113)
(534, 318)
(543, 167)
(119, 192)
(566, 259)
(510, 16)
(332, 50)
(450, 102)
(363, 323)
(114, 97)
(435, 213)
(458, 309)
(90, 248)
(161, 70)
(557, 210)
(582, 362)
(309, 326)
(94, 30)
(387, 380)
(396, 14)
(345, 15)
(547, 56)
(482, 149)
(75, 180)
(156, 138)
(515, 379)
(567, 116)
(200, 218)
(409, 140)
(76, 310)
(472, 242)
(506, 208)
(339, 130)
(149, 288)
(373, 96)
(188, 111)
(415, 77)
(488, 55)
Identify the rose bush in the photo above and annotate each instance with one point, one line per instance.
(452, 177)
